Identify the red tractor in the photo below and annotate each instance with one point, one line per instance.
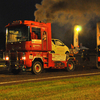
(29, 46)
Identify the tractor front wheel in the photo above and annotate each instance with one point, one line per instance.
(37, 67)
(70, 66)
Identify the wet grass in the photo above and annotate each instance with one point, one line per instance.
(81, 88)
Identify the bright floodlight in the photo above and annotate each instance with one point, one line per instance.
(78, 28)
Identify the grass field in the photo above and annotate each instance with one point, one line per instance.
(81, 88)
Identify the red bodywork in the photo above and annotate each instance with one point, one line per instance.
(34, 48)
(28, 45)
(98, 59)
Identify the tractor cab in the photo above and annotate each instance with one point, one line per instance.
(28, 35)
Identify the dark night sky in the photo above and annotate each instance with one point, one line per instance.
(11, 10)
(63, 14)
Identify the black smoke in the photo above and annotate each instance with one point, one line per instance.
(64, 14)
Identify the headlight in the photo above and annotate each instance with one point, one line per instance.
(23, 57)
(6, 58)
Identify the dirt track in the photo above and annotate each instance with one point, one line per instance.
(5, 76)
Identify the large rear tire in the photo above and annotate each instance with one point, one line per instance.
(70, 66)
(37, 67)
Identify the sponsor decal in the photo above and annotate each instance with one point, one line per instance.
(38, 54)
(30, 56)
(58, 57)
(36, 41)
(44, 54)
(36, 45)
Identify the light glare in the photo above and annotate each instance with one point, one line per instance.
(23, 58)
(7, 58)
(78, 28)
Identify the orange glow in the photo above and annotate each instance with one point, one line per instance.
(23, 58)
(98, 59)
(78, 28)
(7, 58)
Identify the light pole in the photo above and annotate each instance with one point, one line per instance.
(77, 29)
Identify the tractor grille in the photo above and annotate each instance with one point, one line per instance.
(13, 56)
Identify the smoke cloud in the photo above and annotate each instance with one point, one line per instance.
(68, 13)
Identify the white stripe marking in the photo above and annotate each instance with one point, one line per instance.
(38, 79)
